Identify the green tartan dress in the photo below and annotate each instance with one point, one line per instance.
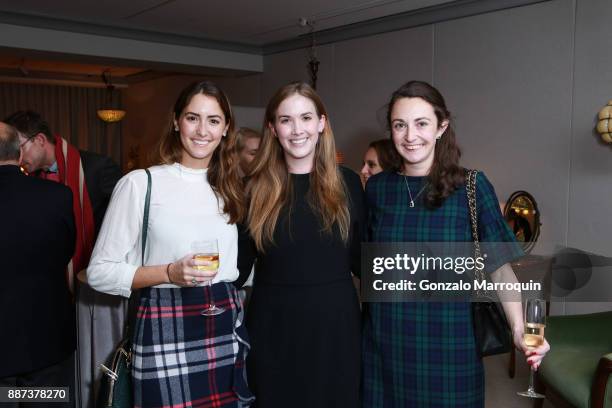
(423, 354)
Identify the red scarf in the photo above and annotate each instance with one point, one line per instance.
(70, 171)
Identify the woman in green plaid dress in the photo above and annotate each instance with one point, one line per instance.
(423, 354)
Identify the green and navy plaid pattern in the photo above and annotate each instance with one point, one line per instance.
(422, 354)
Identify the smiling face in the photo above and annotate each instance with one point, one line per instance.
(297, 126)
(414, 130)
(201, 125)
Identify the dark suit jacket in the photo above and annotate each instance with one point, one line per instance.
(37, 240)
(101, 175)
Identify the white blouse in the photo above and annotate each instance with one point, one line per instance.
(183, 209)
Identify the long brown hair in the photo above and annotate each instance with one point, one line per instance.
(270, 185)
(223, 174)
(445, 175)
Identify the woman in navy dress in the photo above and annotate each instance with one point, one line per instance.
(423, 354)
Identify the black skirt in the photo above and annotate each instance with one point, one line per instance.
(305, 345)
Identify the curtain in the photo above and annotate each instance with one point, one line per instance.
(70, 112)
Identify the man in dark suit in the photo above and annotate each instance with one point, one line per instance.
(40, 159)
(91, 177)
(36, 310)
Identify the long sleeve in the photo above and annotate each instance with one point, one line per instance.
(116, 254)
(358, 219)
(69, 240)
(101, 176)
(247, 252)
(110, 175)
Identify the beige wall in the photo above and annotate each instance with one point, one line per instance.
(524, 85)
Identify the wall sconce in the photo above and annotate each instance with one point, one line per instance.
(604, 126)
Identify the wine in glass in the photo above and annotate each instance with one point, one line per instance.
(208, 251)
(535, 322)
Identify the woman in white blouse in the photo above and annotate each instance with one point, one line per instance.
(182, 354)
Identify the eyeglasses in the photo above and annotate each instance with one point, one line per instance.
(21, 146)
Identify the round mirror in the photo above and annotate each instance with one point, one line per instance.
(523, 217)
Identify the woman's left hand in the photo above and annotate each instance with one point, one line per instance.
(534, 355)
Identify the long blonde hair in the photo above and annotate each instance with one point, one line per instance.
(270, 186)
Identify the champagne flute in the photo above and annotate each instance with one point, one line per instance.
(208, 251)
(535, 322)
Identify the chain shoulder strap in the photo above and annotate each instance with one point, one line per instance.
(471, 197)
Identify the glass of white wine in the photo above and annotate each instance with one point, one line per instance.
(208, 251)
(535, 322)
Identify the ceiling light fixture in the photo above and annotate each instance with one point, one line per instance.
(313, 62)
(110, 114)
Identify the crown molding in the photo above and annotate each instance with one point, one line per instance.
(89, 46)
(14, 75)
(429, 15)
(29, 20)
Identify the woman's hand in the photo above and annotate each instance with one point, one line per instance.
(184, 273)
(534, 355)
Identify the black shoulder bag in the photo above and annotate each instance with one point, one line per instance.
(491, 329)
(116, 387)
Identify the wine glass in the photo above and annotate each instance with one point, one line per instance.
(535, 322)
(208, 251)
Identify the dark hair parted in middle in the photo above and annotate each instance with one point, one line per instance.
(223, 171)
(445, 175)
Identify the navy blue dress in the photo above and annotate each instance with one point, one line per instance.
(423, 354)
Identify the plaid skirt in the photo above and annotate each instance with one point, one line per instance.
(184, 359)
(420, 355)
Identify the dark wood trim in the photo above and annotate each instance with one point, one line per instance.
(512, 363)
(598, 390)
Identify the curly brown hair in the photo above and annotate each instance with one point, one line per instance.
(445, 175)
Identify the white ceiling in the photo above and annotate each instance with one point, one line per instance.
(252, 22)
